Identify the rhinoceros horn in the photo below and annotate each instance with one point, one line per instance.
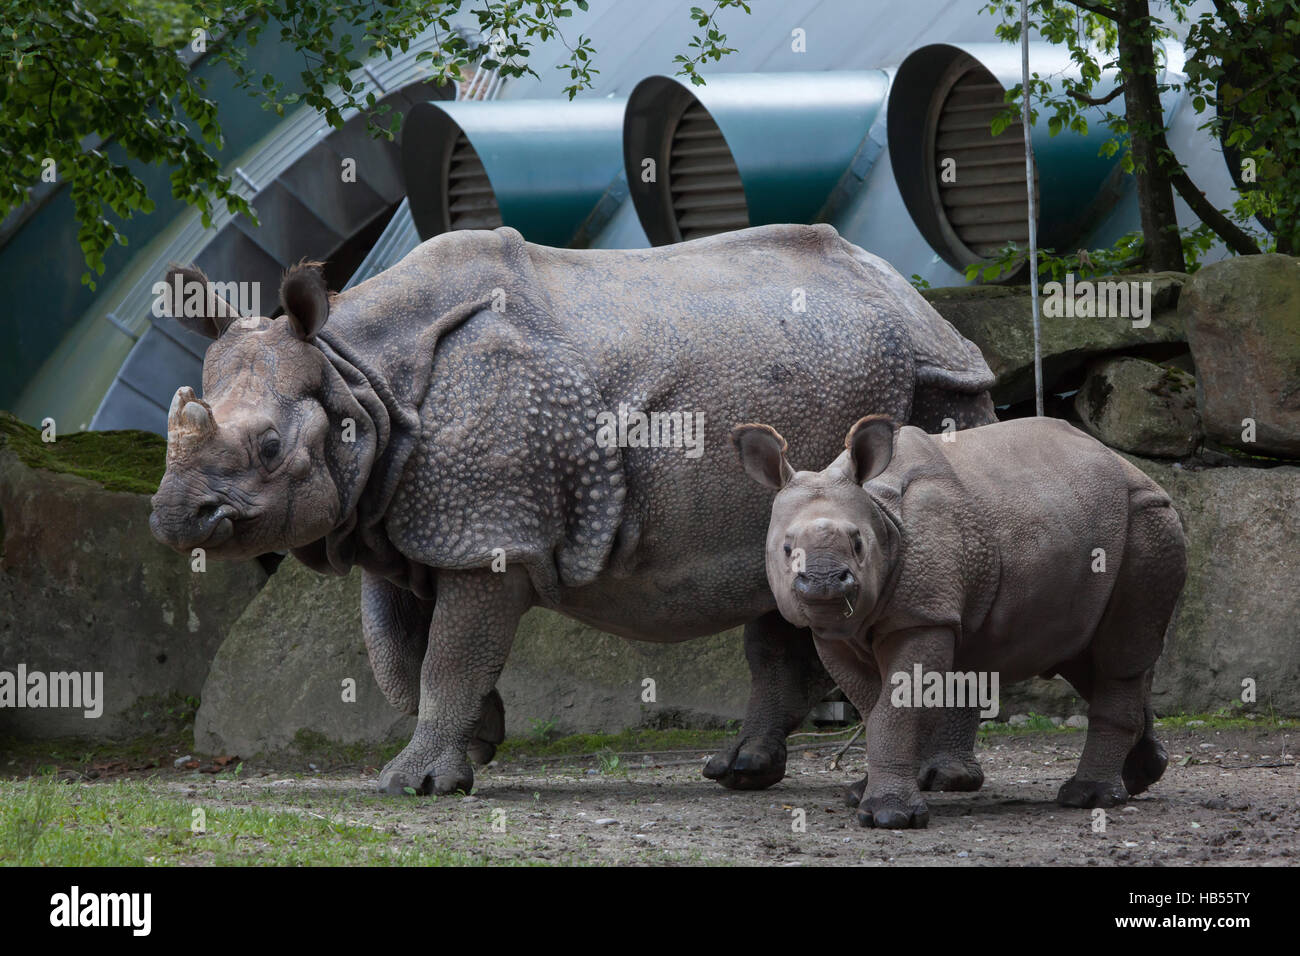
(189, 421)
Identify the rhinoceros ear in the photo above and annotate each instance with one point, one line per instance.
(871, 446)
(306, 300)
(191, 301)
(762, 453)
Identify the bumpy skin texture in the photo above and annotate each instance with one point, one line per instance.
(977, 554)
(471, 375)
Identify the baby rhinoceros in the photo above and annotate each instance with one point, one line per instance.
(1011, 550)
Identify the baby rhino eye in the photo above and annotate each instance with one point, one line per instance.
(787, 551)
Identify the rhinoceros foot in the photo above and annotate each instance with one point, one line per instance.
(403, 775)
(891, 811)
(1088, 794)
(748, 764)
(854, 793)
(950, 772)
(1144, 765)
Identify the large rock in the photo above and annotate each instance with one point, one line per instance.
(1239, 617)
(282, 671)
(1140, 407)
(1243, 326)
(84, 587)
(999, 319)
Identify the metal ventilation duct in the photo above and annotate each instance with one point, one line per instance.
(965, 187)
(745, 149)
(540, 166)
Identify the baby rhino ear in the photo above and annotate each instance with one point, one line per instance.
(871, 446)
(305, 298)
(762, 453)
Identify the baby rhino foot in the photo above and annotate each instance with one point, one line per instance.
(892, 812)
(950, 772)
(1088, 794)
(748, 764)
(854, 793)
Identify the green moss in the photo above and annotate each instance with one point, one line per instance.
(117, 460)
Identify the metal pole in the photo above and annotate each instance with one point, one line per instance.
(1033, 204)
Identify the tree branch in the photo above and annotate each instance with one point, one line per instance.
(1097, 101)
(1096, 8)
(1237, 239)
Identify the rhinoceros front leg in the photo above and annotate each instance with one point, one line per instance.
(396, 627)
(787, 680)
(470, 634)
(897, 734)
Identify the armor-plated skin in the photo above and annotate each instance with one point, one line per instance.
(1020, 548)
(449, 415)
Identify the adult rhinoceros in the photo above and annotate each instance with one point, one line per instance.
(457, 409)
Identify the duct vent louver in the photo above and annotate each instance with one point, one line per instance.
(471, 204)
(984, 202)
(707, 193)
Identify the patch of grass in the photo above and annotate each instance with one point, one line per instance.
(44, 822)
(628, 741)
(117, 460)
(1037, 724)
(1224, 720)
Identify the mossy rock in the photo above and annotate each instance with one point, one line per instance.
(117, 461)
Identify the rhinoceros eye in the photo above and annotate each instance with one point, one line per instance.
(787, 551)
(269, 447)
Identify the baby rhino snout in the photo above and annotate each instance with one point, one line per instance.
(829, 584)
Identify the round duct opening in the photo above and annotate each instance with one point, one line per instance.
(549, 168)
(747, 149)
(686, 184)
(976, 179)
(448, 187)
(964, 187)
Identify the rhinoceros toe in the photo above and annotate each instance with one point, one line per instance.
(891, 812)
(1088, 794)
(396, 780)
(748, 765)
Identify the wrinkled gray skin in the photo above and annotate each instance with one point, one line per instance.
(472, 373)
(977, 554)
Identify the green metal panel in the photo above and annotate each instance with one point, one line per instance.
(791, 135)
(549, 161)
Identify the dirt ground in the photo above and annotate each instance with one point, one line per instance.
(1228, 797)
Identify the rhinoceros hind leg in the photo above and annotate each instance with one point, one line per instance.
(491, 730)
(788, 679)
(1146, 762)
(949, 760)
(395, 624)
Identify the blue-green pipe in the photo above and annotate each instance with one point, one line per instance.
(792, 136)
(549, 161)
